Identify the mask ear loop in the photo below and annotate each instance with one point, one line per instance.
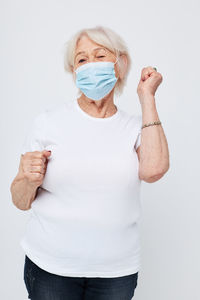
(116, 60)
(115, 63)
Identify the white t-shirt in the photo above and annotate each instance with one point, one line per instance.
(84, 220)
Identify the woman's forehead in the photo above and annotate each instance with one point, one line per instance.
(85, 40)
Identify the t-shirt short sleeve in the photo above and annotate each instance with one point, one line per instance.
(35, 135)
(139, 130)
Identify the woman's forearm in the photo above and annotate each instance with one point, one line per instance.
(154, 153)
(23, 193)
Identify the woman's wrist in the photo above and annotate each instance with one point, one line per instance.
(149, 110)
(146, 99)
(148, 103)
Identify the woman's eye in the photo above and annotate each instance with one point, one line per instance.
(81, 60)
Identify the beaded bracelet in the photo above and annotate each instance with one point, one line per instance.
(150, 124)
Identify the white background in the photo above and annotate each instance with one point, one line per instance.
(158, 33)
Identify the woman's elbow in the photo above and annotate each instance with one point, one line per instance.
(150, 178)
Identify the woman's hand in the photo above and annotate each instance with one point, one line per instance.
(149, 82)
(33, 166)
(32, 169)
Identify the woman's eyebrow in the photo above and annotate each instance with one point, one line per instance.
(80, 52)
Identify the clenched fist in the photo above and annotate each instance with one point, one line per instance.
(33, 166)
(149, 81)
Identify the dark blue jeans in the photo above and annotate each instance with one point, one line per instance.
(42, 285)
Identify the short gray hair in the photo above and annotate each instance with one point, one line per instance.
(103, 36)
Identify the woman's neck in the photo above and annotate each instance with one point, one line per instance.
(101, 109)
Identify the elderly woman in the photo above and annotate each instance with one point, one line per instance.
(79, 175)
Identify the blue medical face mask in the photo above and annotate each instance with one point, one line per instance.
(96, 79)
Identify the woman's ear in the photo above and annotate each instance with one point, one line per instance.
(123, 63)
